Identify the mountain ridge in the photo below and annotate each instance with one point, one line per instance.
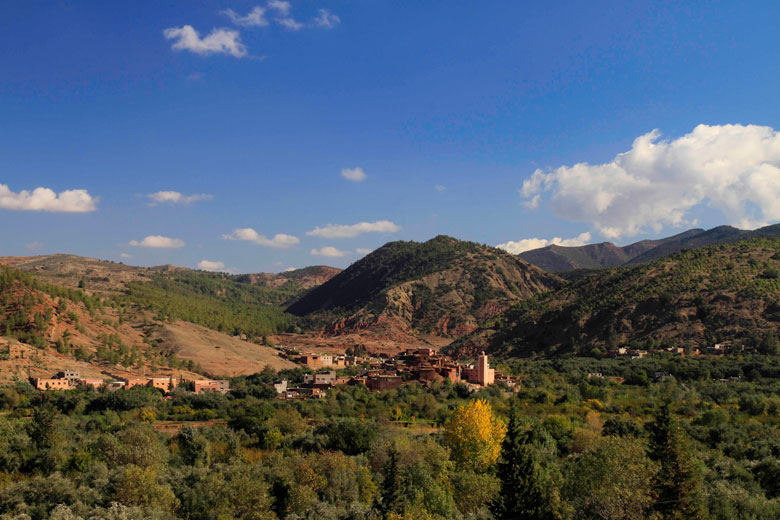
(555, 258)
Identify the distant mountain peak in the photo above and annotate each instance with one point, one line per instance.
(555, 258)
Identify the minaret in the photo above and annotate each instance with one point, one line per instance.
(485, 374)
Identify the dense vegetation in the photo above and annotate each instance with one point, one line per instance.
(214, 300)
(723, 293)
(680, 438)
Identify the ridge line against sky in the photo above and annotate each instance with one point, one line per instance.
(364, 123)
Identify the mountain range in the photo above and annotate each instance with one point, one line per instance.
(694, 288)
(557, 259)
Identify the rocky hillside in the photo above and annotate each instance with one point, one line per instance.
(119, 318)
(72, 271)
(442, 287)
(722, 293)
(556, 259)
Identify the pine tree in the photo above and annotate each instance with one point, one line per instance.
(391, 485)
(678, 482)
(527, 491)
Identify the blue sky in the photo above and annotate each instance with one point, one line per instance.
(446, 108)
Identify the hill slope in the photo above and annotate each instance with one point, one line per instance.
(124, 317)
(726, 292)
(442, 287)
(294, 282)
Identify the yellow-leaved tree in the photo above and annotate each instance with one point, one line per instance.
(474, 435)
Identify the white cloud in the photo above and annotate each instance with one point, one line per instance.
(284, 19)
(174, 197)
(280, 6)
(209, 265)
(326, 19)
(733, 168)
(254, 18)
(290, 269)
(218, 41)
(528, 244)
(44, 199)
(354, 174)
(34, 246)
(250, 235)
(159, 241)
(363, 251)
(125, 255)
(439, 187)
(258, 17)
(290, 23)
(329, 251)
(336, 231)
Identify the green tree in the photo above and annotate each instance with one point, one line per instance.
(613, 481)
(678, 482)
(193, 447)
(390, 492)
(527, 490)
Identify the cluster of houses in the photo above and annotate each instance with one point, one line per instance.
(69, 379)
(420, 365)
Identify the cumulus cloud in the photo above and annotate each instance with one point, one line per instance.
(159, 241)
(209, 265)
(218, 41)
(354, 174)
(174, 197)
(254, 18)
(326, 19)
(733, 168)
(363, 251)
(329, 251)
(528, 244)
(290, 269)
(44, 199)
(336, 231)
(125, 255)
(250, 235)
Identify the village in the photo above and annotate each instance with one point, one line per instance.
(423, 366)
(379, 373)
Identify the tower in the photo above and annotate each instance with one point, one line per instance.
(485, 375)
